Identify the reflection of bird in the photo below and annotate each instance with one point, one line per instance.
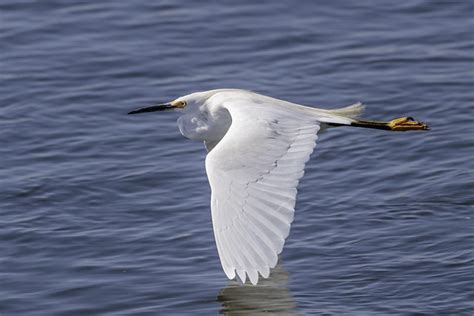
(258, 147)
(270, 297)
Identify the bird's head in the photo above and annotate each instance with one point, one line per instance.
(189, 102)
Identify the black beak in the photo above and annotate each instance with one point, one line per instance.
(159, 107)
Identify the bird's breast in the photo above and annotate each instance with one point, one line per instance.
(205, 126)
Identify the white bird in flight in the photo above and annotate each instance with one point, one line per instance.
(257, 150)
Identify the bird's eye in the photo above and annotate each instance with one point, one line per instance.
(179, 104)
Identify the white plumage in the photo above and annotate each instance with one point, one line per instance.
(254, 166)
(258, 147)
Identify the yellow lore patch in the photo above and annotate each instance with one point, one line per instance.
(178, 104)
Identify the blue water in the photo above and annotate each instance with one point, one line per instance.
(107, 214)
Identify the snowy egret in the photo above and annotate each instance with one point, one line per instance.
(257, 150)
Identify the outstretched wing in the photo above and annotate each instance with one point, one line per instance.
(254, 172)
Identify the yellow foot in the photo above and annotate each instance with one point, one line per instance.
(406, 124)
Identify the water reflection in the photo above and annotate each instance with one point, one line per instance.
(270, 296)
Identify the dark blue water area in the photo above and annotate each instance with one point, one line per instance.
(107, 214)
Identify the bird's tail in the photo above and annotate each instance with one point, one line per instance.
(352, 111)
(337, 117)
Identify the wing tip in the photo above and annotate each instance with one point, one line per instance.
(254, 276)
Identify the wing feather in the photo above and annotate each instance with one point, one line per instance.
(254, 172)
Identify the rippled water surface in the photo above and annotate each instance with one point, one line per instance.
(107, 214)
